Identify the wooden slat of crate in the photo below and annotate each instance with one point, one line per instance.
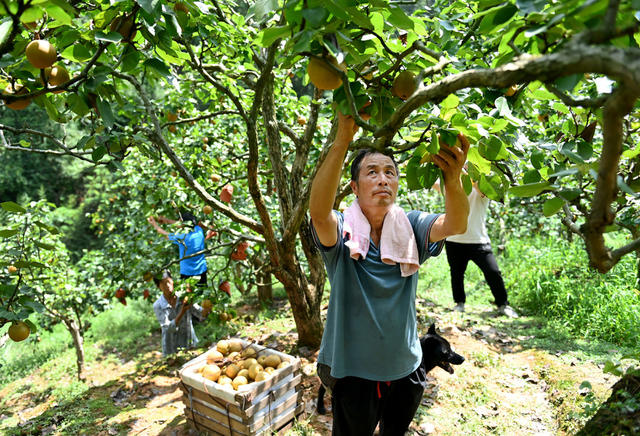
(208, 426)
(233, 408)
(244, 426)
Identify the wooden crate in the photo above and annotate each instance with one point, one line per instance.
(254, 409)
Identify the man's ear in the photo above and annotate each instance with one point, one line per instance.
(354, 187)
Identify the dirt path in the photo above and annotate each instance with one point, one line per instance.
(503, 387)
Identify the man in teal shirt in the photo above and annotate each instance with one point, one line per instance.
(370, 344)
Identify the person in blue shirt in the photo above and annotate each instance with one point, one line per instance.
(370, 352)
(189, 243)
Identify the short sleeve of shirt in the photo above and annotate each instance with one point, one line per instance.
(175, 238)
(422, 223)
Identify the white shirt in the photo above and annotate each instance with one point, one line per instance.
(476, 229)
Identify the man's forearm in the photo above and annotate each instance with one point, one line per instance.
(456, 206)
(325, 184)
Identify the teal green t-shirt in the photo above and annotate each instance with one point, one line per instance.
(371, 329)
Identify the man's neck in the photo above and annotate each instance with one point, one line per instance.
(375, 216)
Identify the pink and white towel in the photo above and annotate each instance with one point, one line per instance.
(397, 242)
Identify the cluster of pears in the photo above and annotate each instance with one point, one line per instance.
(230, 364)
(323, 74)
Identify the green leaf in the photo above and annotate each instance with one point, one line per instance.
(130, 59)
(51, 229)
(29, 263)
(77, 53)
(158, 65)
(570, 194)
(52, 111)
(269, 35)
(626, 188)
(108, 37)
(32, 327)
(59, 14)
(262, 8)
(45, 246)
(149, 5)
(497, 17)
(531, 176)
(315, 16)
(530, 6)
(491, 186)
(399, 19)
(12, 207)
(10, 316)
(32, 14)
(32, 304)
(529, 190)
(493, 149)
(98, 153)
(483, 165)
(567, 83)
(467, 183)
(7, 233)
(104, 107)
(552, 206)
(5, 29)
(452, 101)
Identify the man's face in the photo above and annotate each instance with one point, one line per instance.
(377, 184)
(166, 286)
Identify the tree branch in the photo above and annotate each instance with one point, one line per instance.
(569, 101)
(157, 138)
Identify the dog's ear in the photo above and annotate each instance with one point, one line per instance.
(432, 329)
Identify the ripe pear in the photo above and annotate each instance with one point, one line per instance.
(248, 363)
(41, 53)
(239, 381)
(56, 76)
(272, 360)
(235, 345)
(211, 372)
(232, 370)
(17, 89)
(224, 380)
(404, 85)
(322, 75)
(249, 352)
(223, 346)
(254, 370)
(214, 356)
(262, 375)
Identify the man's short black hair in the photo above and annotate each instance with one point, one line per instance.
(357, 161)
(165, 274)
(188, 217)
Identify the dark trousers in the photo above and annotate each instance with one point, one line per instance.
(201, 282)
(459, 256)
(358, 405)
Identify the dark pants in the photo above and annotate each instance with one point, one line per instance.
(358, 405)
(201, 282)
(459, 256)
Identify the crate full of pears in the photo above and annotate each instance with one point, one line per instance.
(241, 388)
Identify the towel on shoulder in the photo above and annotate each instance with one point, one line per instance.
(397, 241)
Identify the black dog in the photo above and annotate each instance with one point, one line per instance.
(436, 351)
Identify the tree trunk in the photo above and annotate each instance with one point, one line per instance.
(304, 298)
(265, 289)
(78, 343)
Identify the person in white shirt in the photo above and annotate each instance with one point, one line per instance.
(474, 245)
